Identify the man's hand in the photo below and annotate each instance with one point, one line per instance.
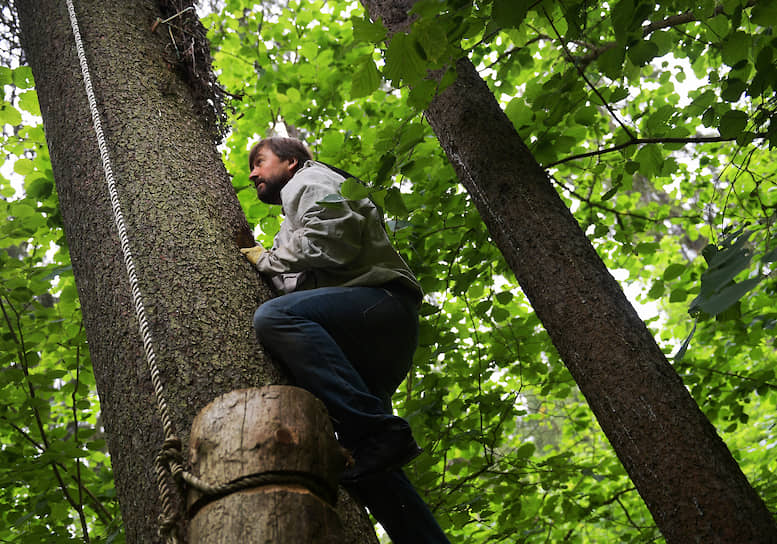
(252, 253)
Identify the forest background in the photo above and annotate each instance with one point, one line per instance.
(656, 123)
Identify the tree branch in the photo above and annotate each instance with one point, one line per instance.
(641, 141)
(669, 22)
(614, 211)
(770, 385)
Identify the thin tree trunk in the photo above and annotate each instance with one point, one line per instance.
(183, 221)
(689, 480)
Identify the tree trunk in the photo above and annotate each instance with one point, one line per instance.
(183, 221)
(684, 472)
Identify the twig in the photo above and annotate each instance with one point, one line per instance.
(80, 508)
(585, 78)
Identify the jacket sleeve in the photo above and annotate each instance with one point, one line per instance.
(318, 235)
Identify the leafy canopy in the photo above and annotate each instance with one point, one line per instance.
(656, 123)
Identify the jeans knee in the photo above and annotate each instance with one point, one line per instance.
(263, 321)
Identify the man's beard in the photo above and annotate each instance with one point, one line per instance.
(271, 190)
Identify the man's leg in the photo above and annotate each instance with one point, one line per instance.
(349, 346)
(394, 502)
(352, 347)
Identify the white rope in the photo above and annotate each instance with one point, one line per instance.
(140, 311)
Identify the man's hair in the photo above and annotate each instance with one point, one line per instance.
(285, 148)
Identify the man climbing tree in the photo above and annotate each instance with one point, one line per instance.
(490, 478)
(347, 327)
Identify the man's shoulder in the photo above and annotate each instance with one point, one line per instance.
(312, 178)
(318, 171)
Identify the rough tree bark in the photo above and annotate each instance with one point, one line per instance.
(684, 472)
(183, 220)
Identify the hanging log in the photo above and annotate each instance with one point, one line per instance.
(282, 438)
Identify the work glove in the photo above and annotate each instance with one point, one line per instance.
(252, 253)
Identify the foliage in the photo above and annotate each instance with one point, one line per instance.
(54, 469)
(657, 125)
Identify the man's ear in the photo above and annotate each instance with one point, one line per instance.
(293, 162)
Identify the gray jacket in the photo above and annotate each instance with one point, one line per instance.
(341, 243)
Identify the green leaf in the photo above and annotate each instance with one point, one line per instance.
(365, 30)
(433, 41)
(622, 15)
(395, 205)
(526, 450)
(673, 271)
(728, 296)
(650, 160)
(732, 123)
(519, 113)
(293, 95)
(658, 120)
(22, 77)
(39, 188)
(509, 13)
(309, 50)
(366, 77)
(618, 93)
(631, 167)
(726, 262)
(733, 89)
(764, 14)
(353, 189)
(504, 297)
(403, 63)
(387, 162)
(642, 52)
(332, 143)
(678, 295)
(585, 116)
(395, 225)
(29, 102)
(770, 257)
(9, 115)
(736, 48)
(611, 62)
(411, 136)
(657, 290)
(23, 166)
(422, 94)
(329, 201)
(610, 193)
(684, 347)
(701, 103)
(500, 315)
(646, 248)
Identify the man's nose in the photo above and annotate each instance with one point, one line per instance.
(254, 174)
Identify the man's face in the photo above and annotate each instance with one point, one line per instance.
(270, 174)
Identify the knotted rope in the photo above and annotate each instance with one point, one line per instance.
(170, 456)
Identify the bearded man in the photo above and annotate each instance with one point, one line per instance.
(346, 325)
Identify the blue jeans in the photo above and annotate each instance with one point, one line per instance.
(395, 503)
(352, 347)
